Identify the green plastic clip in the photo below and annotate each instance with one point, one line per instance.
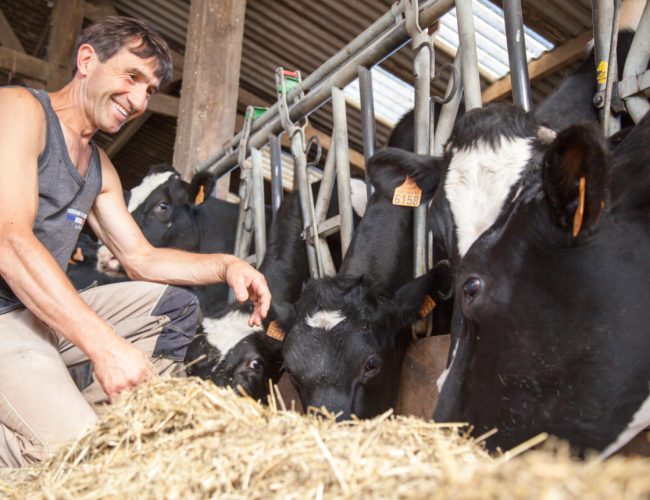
(258, 111)
(291, 80)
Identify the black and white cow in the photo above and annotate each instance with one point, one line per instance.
(345, 348)
(164, 207)
(239, 355)
(82, 268)
(236, 354)
(553, 334)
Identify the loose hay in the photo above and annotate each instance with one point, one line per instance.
(186, 438)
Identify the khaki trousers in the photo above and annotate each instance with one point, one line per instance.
(41, 408)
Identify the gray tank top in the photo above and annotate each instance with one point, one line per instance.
(64, 197)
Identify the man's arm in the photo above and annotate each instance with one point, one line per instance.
(27, 266)
(114, 225)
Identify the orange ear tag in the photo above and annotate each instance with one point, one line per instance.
(408, 194)
(577, 217)
(200, 196)
(428, 305)
(274, 331)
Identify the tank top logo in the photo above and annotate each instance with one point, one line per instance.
(76, 217)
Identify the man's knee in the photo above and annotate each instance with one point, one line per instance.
(182, 308)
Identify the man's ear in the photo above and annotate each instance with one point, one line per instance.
(86, 57)
(417, 299)
(576, 176)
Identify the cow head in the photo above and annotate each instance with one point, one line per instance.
(230, 353)
(346, 345)
(554, 299)
(162, 208)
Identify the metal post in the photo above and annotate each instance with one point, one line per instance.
(449, 110)
(517, 53)
(603, 17)
(636, 65)
(342, 167)
(368, 125)
(422, 67)
(259, 215)
(469, 64)
(277, 194)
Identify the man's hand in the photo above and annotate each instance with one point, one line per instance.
(118, 365)
(248, 284)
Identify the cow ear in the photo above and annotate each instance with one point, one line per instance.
(417, 299)
(388, 168)
(576, 177)
(201, 187)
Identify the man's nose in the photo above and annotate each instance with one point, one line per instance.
(138, 99)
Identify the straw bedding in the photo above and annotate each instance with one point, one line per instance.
(185, 438)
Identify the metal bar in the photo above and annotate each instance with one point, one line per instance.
(637, 63)
(448, 113)
(603, 16)
(368, 124)
(342, 167)
(373, 53)
(517, 53)
(611, 121)
(422, 67)
(326, 183)
(469, 64)
(277, 194)
(259, 215)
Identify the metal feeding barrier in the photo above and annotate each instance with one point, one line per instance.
(406, 20)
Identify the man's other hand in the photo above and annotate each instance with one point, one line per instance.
(249, 284)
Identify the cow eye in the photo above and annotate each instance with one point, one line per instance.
(373, 363)
(472, 287)
(163, 206)
(255, 364)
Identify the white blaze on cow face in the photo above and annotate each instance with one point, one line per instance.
(225, 332)
(325, 319)
(639, 422)
(478, 181)
(146, 187)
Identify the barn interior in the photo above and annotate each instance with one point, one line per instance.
(37, 38)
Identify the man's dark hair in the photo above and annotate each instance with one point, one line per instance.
(112, 33)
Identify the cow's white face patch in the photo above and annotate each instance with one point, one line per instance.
(225, 332)
(639, 422)
(146, 187)
(325, 319)
(478, 182)
(359, 193)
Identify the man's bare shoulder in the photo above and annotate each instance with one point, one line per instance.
(18, 105)
(19, 97)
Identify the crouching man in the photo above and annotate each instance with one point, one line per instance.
(53, 179)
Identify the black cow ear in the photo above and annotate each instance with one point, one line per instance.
(201, 187)
(417, 299)
(576, 177)
(388, 168)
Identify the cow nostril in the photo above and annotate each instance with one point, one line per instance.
(472, 287)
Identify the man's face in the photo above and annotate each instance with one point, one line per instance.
(119, 88)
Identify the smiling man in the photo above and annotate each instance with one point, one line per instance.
(53, 179)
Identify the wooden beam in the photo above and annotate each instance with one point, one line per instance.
(208, 108)
(548, 63)
(98, 9)
(7, 36)
(65, 26)
(164, 104)
(25, 65)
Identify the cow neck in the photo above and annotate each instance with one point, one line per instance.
(382, 247)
